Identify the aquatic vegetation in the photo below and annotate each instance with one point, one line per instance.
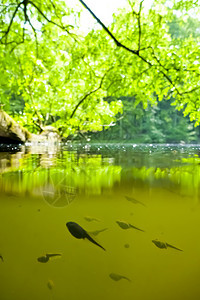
(163, 245)
(78, 232)
(134, 201)
(117, 277)
(45, 258)
(125, 225)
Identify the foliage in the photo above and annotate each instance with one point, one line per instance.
(52, 74)
(57, 75)
(155, 124)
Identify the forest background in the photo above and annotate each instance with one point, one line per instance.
(136, 80)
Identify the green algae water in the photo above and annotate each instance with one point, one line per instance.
(139, 202)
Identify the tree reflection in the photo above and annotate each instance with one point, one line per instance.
(59, 177)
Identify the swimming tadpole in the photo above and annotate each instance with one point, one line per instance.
(134, 201)
(45, 258)
(96, 232)
(117, 277)
(163, 245)
(91, 219)
(124, 225)
(78, 232)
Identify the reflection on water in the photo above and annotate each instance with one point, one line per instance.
(140, 202)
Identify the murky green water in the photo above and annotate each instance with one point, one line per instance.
(108, 188)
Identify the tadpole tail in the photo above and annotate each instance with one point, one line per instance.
(170, 246)
(126, 278)
(93, 241)
(52, 255)
(136, 228)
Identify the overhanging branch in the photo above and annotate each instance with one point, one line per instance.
(136, 52)
(138, 16)
(35, 34)
(139, 25)
(47, 19)
(89, 93)
(108, 31)
(10, 24)
(24, 6)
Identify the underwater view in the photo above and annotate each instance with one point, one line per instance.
(89, 221)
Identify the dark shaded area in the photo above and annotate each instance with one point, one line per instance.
(7, 141)
(8, 145)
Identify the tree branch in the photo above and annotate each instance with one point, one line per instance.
(139, 25)
(25, 4)
(29, 92)
(136, 52)
(108, 31)
(10, 24)
(138, 16)
(47, 19)
(89, 93)
(18, 43)
(5, 7)
(190, 91)
(35, 34)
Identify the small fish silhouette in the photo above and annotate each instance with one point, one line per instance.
(78, 232)
(45, 259)
(163, 245)
(1, 257)
(96, 232)
(117, 277)
(125, 225)
(133, 200)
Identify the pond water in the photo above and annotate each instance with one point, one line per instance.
(139, 202)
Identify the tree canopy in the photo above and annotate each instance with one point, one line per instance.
(55, 73)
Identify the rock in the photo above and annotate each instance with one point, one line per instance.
(11, 130)
(50, 133)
